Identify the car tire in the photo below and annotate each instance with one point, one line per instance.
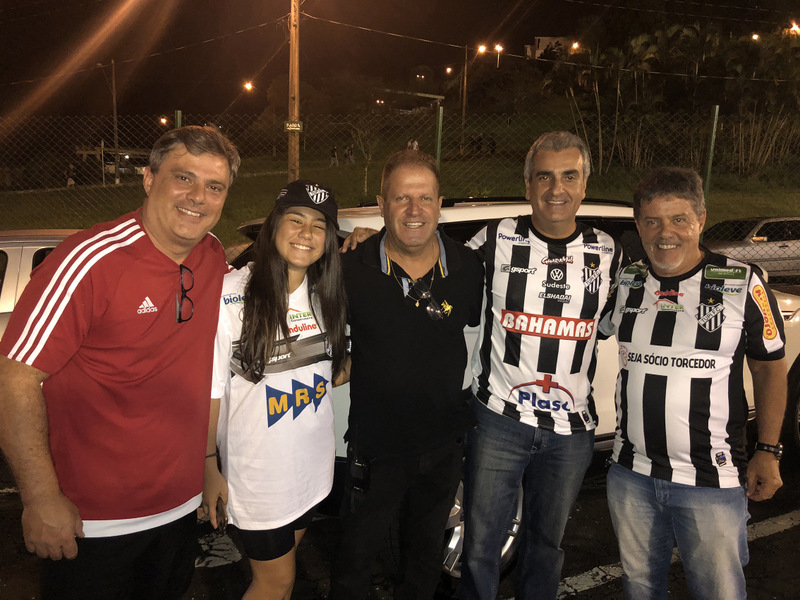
(454, 540)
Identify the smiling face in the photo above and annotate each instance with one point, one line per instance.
(184, 200)
(555, 191)
(411, 209)
(670, 232)
(300, 240)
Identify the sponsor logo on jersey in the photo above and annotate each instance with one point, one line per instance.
(232, 299)
(280, 403)
(721, 459)
(710, 316)
(147, 307)
(668, 305)
(299, 315)
(563, 298)
(558, 260)
(714, 272)
(557, 286)
(592, 279)
(547, 386)
(517, 239)
(563, 328)
(659, 360)
(599, 248)
(631, 283)
(770, 328)
(524, 270)
(278, 358)
(302, 327)
(724, 289)
(668, 293)
(556, 274)
(631, 310)
(635, 269)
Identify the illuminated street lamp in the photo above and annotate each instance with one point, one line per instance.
(449, 70)
(795, 29)
(575, 45)
(498, 48)
(481, 49)
(755, 37)
(248, 86)
(163, 120)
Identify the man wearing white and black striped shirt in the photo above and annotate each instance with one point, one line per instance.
(685, 319)
(547, 280)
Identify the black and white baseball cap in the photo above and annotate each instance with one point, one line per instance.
(303, 192)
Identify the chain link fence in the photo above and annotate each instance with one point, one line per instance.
(62, 172)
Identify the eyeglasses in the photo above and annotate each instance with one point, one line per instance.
(184, 304)
(432, 307)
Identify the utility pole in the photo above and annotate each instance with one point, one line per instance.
(464, 97)
(116, 129)
(294, 92)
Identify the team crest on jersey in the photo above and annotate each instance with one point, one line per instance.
(591, 279)
(317, 194)
(710, 316)
(721, 459)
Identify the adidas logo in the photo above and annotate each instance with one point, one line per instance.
(147, 306)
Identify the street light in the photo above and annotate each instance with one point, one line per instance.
(449, 70)
(755, 37)
(163, 120)
(248, 86)
(498, 48)
(795, 29)
(575, 45)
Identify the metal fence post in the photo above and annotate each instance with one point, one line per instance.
(178, 119)
(439, 119)
(711, 150)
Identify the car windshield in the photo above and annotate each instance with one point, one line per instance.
(734, 230)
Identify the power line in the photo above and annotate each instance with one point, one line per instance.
(389, 33)
(683, 14)
(667, 73)
(153, 55)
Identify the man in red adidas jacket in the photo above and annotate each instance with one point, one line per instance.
(105, 379)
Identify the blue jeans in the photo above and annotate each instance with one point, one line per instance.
(709, 524)
(501, 454)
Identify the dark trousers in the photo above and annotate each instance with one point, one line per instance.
(157, 564)
(419, 490)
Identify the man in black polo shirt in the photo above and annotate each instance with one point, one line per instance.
(411, 291)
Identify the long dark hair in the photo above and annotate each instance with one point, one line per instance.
(266, 299)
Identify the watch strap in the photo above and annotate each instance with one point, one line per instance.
(776, 450)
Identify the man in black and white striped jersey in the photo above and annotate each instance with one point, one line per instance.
(685, 319)
(547, 280)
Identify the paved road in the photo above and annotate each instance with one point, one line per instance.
(591, 569)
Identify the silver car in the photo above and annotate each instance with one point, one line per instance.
(771, 243)
(20, 253)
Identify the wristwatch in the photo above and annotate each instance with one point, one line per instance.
(776, 450)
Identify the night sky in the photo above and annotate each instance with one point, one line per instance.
(196, 54)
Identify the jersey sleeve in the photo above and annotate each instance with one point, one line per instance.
(764, 333)
(54, 313)
(478, 240)
(223, 350)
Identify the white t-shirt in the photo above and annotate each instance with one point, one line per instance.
(275, 437)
